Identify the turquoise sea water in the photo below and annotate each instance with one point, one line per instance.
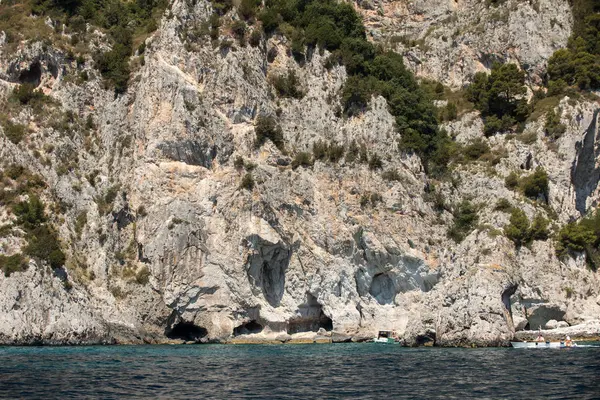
(362, 371)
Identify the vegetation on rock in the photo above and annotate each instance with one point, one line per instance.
(534, 186)
(521, 231)
(42, 239)
(579, 64)
(268, 129)
(500, 97)
(465, 220)
(582, 236)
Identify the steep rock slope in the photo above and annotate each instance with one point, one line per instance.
(173, 247)
(450, 40)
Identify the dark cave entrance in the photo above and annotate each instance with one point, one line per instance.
(248, 328)
(187, 331)
(33, 75)
(310, 318)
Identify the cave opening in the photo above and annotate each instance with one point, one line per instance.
(33, 75)
(248, 328)
(187, 331)
(427, 339)
(309, 317)
(383, 289)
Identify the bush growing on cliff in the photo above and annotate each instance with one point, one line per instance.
(375, 162)
(14, 132)
(581, 236)
(302, 159)
(553, 127)
(287, 85)
(42, 240)
(465, 219)
(30, 213)
(579, 63)
(535, 186)
(121, 19)
(268, 129)
(247, 182)
(500, 97)
(518, 228)
(521, 231)
(14, 263)
(512, 180)
(335, 26)
(43, 243)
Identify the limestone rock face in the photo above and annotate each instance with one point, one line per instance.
(451, 40)
(332, 252)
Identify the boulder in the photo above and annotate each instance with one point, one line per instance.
(520, 323)
(562, 324)
(552, 324)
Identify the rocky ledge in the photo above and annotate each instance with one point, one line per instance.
(589, 330)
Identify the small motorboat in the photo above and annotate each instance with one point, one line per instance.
(385, 337)
(542, 345)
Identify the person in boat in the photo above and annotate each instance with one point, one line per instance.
(568, 341)
(540, 338)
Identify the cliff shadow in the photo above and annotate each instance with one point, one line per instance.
(585, 174)
(266, 267)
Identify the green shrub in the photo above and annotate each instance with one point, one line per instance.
(238, 163)
(105, 203)
(255, 38)
(392, 175)
(370, 198)
(499, 97)
(14, 263)
(287, 85)
(247, 182)
(335, 152)
(268, 129)
(556, 88)
(142, 277)
(579, 63)
(302, 159)
(43, 243)
(450, 112)
(503, 205)
(476, 149)
(353, 152)
(465, 220)
(221, 7)
(518, 228)
(14, 132)
(375, 162)
(512, 181)
(536, 185)
(553, 127)
(581, 236)
(248, 9)
(238, 28)
(114, 66)
(80, 223)
(30, 213)
(436, 197)
(522, 232)
(27, 94)
(539, 228)
(215, 24)
(319, 149)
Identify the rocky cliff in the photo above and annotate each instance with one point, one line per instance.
(165, 240)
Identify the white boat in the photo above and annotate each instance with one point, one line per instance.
(385, 337)
(542, 345)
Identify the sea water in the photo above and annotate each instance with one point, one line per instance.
(359, 371)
